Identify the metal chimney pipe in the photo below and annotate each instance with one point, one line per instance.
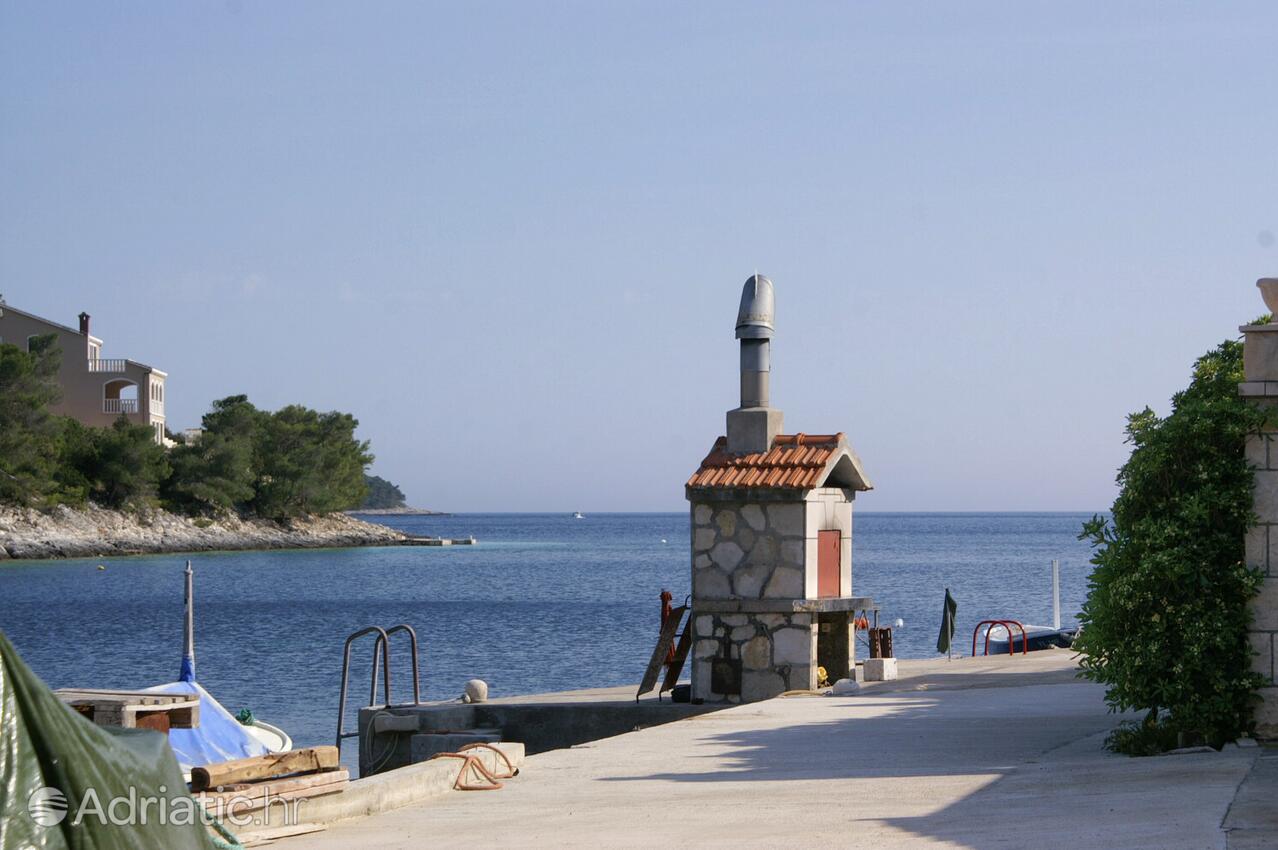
(755, 326)
(754, 425)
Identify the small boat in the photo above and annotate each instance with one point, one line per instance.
(220, 735)
(1037, 638)
(1002, 639)
(577, 515)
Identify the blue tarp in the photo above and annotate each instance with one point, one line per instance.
(220, 737)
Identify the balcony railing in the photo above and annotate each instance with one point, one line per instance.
(101, 365)
(119, 405)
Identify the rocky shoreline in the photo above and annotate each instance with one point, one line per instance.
(92, 532)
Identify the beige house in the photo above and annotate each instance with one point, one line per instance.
(95, 390)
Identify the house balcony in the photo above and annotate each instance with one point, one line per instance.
(119, 405)
(105, 365)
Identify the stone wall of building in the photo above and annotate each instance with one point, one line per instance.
(777, 652)
(1262, 451)
(1260, 364)
(748, 550)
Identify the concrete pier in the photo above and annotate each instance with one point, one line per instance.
(983, 752)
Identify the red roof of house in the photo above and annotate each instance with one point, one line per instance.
(795, 461)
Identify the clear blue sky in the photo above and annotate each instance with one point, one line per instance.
(510, 238)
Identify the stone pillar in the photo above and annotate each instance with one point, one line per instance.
(1260, 367)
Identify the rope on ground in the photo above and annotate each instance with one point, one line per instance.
(230, 842)
(511, 770)
(473, 765)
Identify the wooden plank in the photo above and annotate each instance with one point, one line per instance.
(268, 766)
(78, 695)
(221, 809)
(263, 837)
(664, 641)
(278, 789)
(681, 655)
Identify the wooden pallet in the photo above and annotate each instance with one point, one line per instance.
(135, 709)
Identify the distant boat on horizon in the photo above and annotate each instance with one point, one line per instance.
(577, 515)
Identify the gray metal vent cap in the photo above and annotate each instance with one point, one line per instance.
(755, 318)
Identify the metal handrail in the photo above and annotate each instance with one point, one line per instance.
(381, 659)
(412, 638)
(384, 643)
(1006, 624)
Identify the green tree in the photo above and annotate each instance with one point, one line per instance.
(382, 494)
(126, 465)
(28, 432)
(1165, 621)
(77, 460)
(310, 463)
(219, 470)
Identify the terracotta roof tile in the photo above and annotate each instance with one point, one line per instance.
(798, 461)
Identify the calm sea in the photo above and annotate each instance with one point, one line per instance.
(544, 602)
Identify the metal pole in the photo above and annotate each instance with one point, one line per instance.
(1056, 594)
(188, 638)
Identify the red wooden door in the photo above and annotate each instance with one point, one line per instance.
(828, 563)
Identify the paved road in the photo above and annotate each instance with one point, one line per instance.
(980, 753)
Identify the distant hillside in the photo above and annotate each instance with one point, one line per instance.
(382, 495)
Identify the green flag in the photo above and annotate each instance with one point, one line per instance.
(947, 623)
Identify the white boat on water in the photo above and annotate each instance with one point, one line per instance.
(577, 515)
(220, 735)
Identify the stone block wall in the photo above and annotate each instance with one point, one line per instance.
(777, 652)
(748, 550)
(1260, 364)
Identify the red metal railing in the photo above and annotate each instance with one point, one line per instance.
(1006, 624)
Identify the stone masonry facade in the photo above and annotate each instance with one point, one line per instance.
(1262, 540)
(753, 556)
(776, 651)
(1260, 368)
(1260, 365)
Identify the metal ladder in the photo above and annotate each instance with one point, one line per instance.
(379, 661)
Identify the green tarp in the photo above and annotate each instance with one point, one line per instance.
(66, 783)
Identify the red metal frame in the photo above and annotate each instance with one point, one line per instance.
(1007, 624)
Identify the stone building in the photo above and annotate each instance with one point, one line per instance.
(771, 541)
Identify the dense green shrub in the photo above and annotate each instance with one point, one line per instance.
(128, 465)
(28, 432)
(1165, 621)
